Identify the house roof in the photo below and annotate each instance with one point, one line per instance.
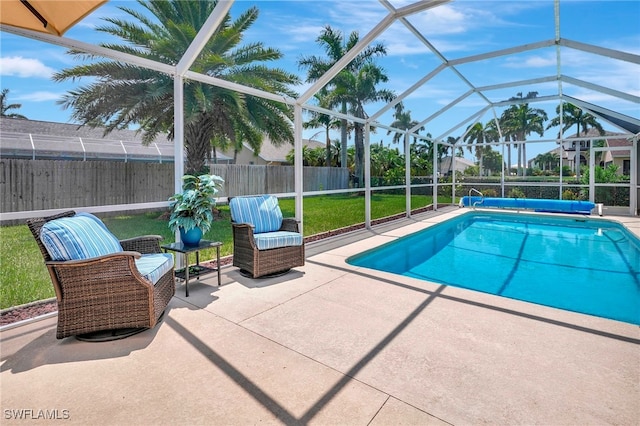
(14, 125)
(611, 142)
(461, 163)
(622, 142)
(46, 139)
(278, 154)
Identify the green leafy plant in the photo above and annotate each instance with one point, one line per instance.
(516, 193)
(569, 195)
(490, 192)
(193, 207)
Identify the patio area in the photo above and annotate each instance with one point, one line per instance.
(332, 344)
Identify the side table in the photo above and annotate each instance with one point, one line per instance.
(194, 270)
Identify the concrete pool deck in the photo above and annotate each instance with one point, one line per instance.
(332, 344)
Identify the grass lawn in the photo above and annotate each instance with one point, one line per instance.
(25, 279)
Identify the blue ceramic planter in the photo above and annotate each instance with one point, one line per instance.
(191, 237)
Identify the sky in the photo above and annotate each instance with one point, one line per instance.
(459, 29)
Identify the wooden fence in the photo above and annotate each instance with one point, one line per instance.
(53, 184)
(247, 180)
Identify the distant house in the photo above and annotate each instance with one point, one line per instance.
(269, 153)
(622, 158)
(446, 165)
(570, 149)
(569, 152)
(35, 139)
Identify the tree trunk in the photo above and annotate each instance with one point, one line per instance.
(359, 158)
(197, 144)
(328, 145)
(577, 154)
(343, 137)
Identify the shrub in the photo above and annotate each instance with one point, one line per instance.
(516, 193)
(567, 171)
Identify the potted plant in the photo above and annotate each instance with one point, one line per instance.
(192, 209)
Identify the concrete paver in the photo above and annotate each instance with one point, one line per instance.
(332, 344)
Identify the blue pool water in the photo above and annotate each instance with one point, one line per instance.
(581, 265)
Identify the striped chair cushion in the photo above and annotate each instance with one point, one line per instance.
(154, 266)
(94, 218)
(78, 237)
(261, 211)
(270, 240)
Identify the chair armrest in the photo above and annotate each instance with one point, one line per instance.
(145, 244)
(106, 258)
(289, 224)
(250, 225)
(243, 235)
(102, 277)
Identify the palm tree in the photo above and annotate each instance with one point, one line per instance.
(574, 116)
(519, 121)
(548, 161)
(453, 141)
(357, 89)
(4, 107)
(335, 47)
(402, 121)
(475, 134)
(323, 120)
(123, 95)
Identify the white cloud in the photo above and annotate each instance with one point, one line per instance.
(303, 33)
(18, 66)
(41, 96)
(534, 61)
(441, 20)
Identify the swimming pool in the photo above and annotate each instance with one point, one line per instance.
(591, 266)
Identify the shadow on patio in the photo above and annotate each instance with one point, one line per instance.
(333, 344)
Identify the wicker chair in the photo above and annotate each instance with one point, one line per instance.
(264, 243)
(106, 297)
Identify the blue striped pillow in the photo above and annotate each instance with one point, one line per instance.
(261, 211)
(78, 237)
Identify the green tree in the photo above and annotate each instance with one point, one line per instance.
(403, 121)
(324, 121)
(456, 151)
(387, 163)
(574, 116)
(421, 156)
(518, 121)
(122, 95)
(548, 160)
(357, 89)
(5, 107)
(479, 135)
(492, 160)
(335, 47)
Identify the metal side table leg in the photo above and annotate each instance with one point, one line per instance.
(218, 262)
(186, 274)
